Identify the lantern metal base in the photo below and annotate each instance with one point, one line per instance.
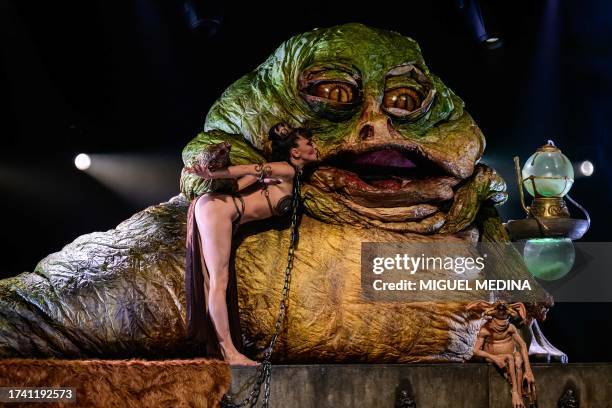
(529, 228)
(547, 207)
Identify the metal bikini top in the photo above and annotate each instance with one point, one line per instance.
(282, 207)
(286, 202)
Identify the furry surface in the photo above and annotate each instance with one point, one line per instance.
(123, 383)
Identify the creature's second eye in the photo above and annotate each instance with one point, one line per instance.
(406, 99)
(334, 91)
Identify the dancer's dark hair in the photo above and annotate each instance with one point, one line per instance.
(284, 138)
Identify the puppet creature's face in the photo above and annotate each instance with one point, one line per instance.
(390, 134)
(502, 312)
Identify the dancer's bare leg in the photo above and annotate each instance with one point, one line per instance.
(214, 219)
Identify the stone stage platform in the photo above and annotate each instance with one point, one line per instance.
(469, 385)
(200, 383)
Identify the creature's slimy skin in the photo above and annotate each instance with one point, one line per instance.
(392, 137)
(399, 164)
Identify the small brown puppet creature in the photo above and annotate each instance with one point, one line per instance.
(499, 342)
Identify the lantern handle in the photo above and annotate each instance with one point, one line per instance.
(581, 208)
(519, 181)
(517, 165)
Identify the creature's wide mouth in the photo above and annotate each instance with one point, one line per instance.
(386, 176)
(387, 167)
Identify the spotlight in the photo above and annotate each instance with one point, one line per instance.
(470, 9)
(587, 168)
(82, 161)
(493, 43)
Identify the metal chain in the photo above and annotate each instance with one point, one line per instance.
(264, 370)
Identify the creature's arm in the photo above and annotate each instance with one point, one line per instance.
(479, 352)
(518, 340)
(528, 374)
(485, 184)
(242, 152)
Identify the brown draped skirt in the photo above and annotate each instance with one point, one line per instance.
(200, 328)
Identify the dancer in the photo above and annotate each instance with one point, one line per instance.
(264, 190)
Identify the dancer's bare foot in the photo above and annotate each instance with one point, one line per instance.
(235, 358)
(241, 360)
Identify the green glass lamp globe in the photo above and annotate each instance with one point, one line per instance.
(549, 259)
(550, 171)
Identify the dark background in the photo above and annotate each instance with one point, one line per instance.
(133, 78)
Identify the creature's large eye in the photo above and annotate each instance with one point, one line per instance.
(334, 91)
(331, 90)
(402, 99)
(409, 93)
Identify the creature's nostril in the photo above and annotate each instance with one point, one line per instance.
(390, 126)
(366, 132)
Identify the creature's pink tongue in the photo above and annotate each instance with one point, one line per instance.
(387, 158)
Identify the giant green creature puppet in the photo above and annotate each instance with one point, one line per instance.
(400, 163)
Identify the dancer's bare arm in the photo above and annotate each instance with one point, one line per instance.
(245, 181)
(274, 169)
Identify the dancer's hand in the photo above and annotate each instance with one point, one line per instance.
(200, 171)
(270, 180)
